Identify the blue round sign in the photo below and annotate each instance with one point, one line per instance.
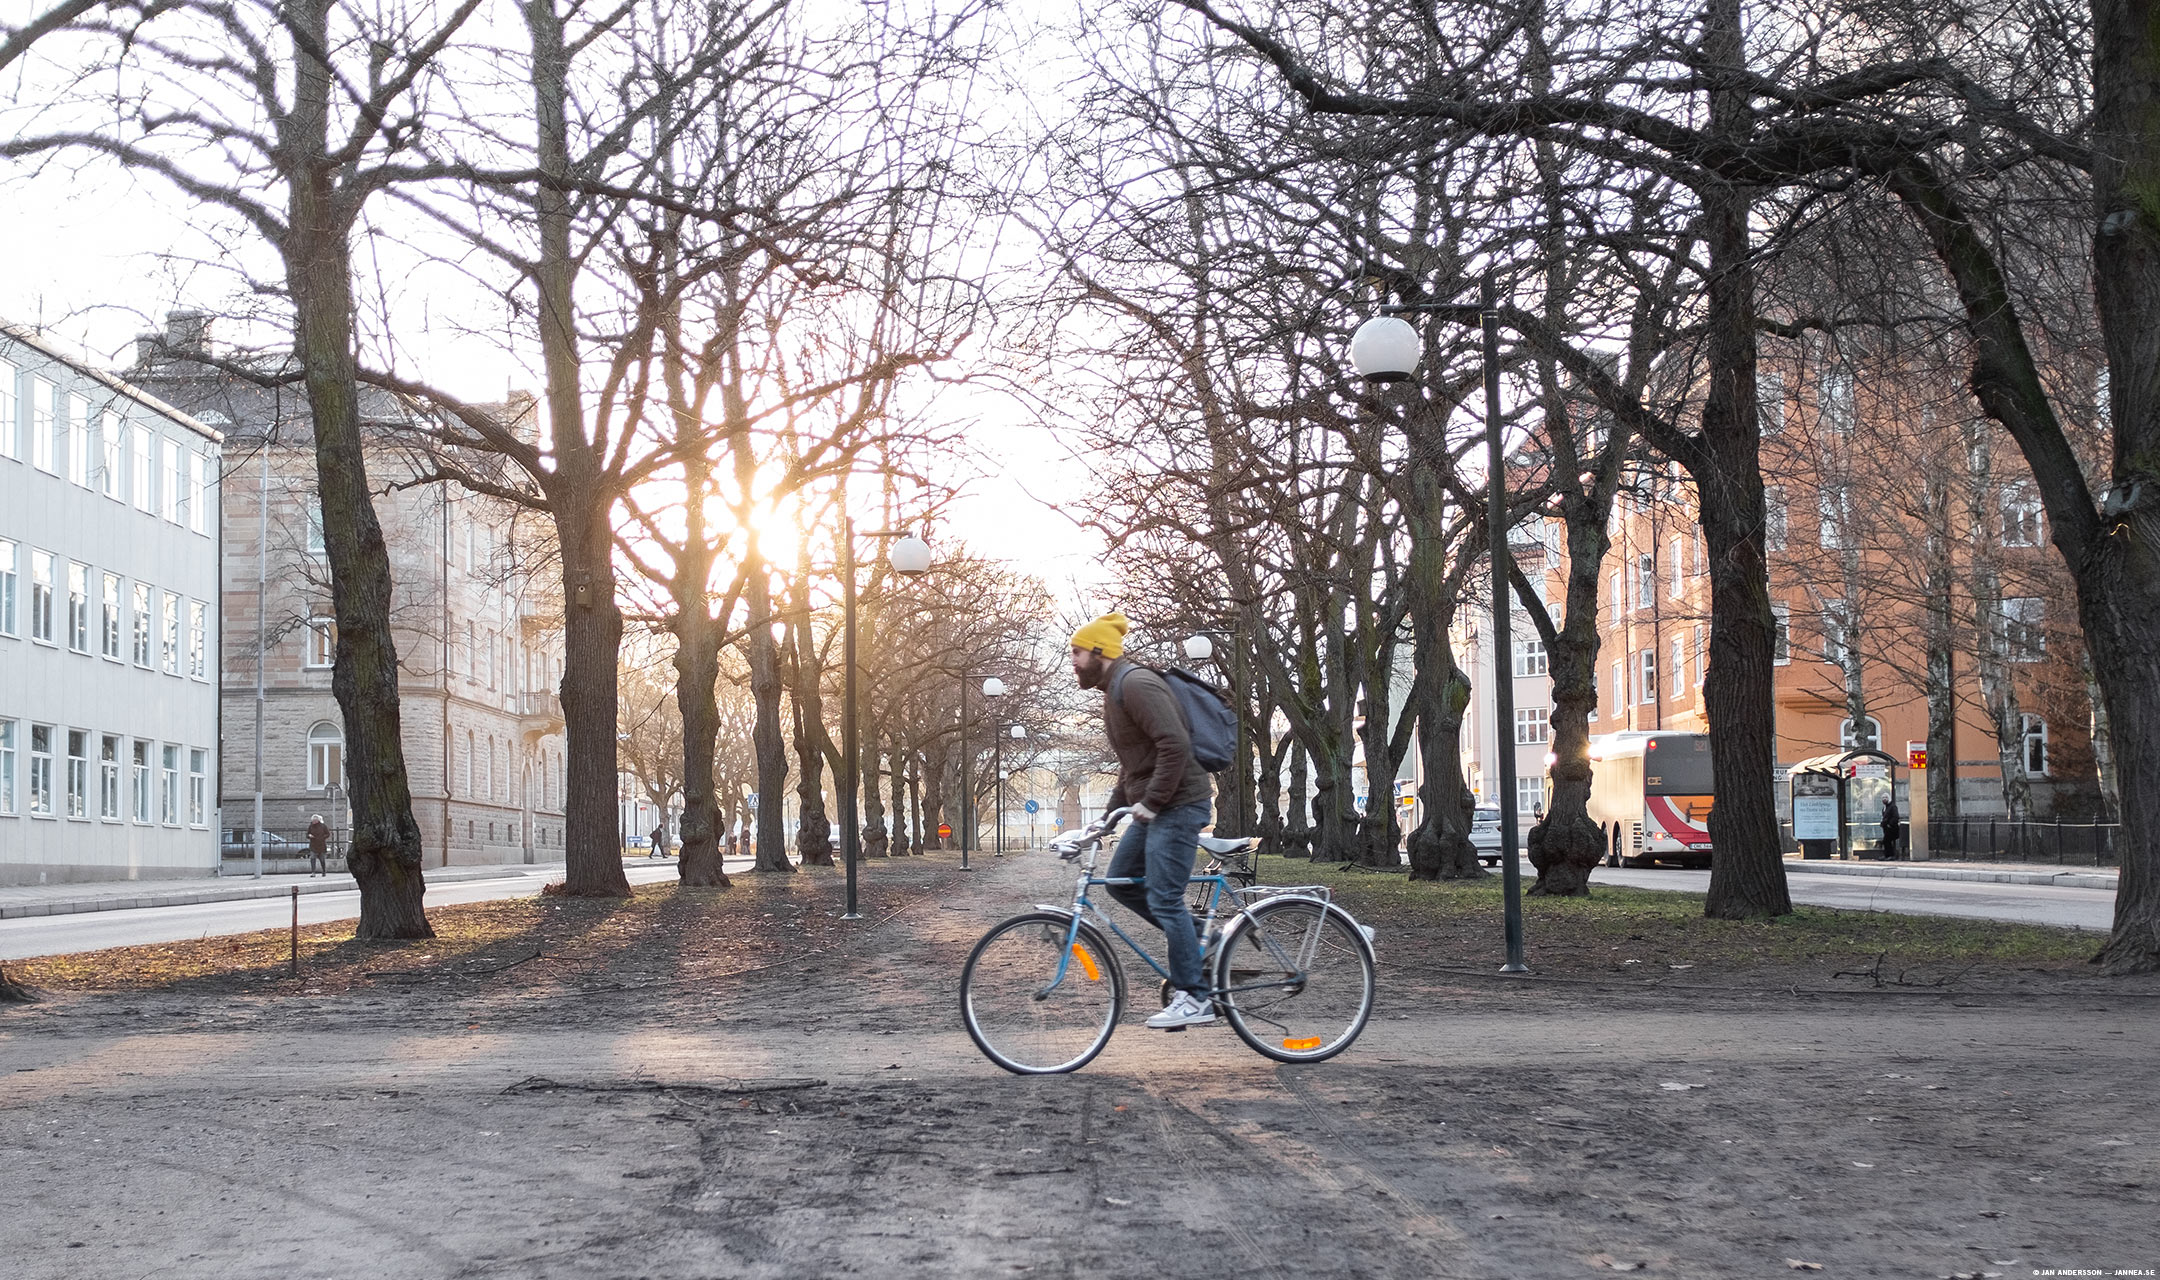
(1032, 806)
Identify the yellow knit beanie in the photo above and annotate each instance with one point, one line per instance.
(1105, 635)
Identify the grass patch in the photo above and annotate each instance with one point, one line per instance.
(1662, 934)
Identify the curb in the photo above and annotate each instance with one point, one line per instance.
(187, 897)
(2094, 879)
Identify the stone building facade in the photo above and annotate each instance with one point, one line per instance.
(108, 625)
(478, 634)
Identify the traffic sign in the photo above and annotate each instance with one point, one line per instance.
(1032, 807)
(944, 831)
(1916, 755)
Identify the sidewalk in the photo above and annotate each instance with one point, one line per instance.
(125, 895)
(1993, 872)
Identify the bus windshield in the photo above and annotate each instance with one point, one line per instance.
(1680, 766)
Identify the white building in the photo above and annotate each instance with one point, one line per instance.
(1529, 736)
(109, 530)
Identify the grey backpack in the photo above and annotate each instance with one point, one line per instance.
(1209, 721)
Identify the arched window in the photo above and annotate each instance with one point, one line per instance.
(325, 756)
(1861, 733)
(465, 770)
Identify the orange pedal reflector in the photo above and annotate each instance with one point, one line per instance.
(1309, 1042)
(1087, 965)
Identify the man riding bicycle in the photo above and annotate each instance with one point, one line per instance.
(1171, 801)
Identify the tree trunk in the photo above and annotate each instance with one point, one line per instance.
(1440, 848)
(766, 741)
(1297, 828)
(1568, 844)
(1747, 878)
(872, 792)
(1381, 833)
(13, 992)
(579, 499)
(697, 675)
(2103, 747)
(1941, 680)
(814, 831)
(384, 853)
(915, 804)
(933, 798)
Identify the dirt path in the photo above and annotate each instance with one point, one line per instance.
(828, 1117)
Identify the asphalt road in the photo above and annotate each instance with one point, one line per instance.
(2059, 906)
(94, 930)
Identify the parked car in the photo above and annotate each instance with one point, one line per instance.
(274, 845)
(1485, 834)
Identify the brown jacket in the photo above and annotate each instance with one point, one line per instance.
(1154, 750)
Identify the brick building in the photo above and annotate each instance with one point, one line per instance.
(478, 636)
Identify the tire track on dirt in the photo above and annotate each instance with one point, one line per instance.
(1360, 1156)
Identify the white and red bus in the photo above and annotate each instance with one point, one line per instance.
(1650, 792)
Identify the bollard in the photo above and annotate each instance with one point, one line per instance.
(296, 931)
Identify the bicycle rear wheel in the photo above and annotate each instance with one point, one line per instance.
(1021, 1014)
(1296, 977)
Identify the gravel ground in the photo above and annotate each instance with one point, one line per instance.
(814, 1109)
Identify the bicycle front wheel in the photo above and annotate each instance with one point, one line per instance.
(1296, 977)
(1022, 1014)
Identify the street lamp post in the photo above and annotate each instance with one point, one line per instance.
(998, 763)
(1385, 349)
(992, 687)
(909, 555)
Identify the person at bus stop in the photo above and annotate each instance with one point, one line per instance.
(318, 847)
(1171, 799)
(1893, 828)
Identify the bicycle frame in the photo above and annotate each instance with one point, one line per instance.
(1084, 910)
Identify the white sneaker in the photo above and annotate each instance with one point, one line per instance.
(1186, 1010)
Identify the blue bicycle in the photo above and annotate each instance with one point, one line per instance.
(1288, 968)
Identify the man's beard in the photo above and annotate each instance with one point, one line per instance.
(1093, 676)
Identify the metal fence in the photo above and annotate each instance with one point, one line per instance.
(2069, 844)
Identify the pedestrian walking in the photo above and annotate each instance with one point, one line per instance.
(659, 842)
(1893, 828)
(318, 846)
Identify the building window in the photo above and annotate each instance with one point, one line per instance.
(169, 651)
(41, 424)
(143, 622)
(169, 481)
(1619, 593)
(78, 773)
(1774, 518)
(112, 442)
(141, 780)
(1530, 657)
(41, 596)
(487, 780)
(78, 438)
(109, 617)
(142, 464)
(109, 777)
(2033, 745)
(1770, 402)
(169, 794)
(9, 447)
(1646, 677)
(1837, 410)
(2021, 520)
(326, 757)
(41, 769)
(78, 614)
(198, 493)
(198, 640)
(1530, 726)
(8, 574)
(1675, 581)
(1679, 665)
(1702, 662)
(1835, 503)
(1645, 580)
(466, 769)
(2024, 624)
(321, 642)
(8, 748)
(1619, 690)
(1530, 796)
(198, 795)
(315, 546)
(1840, 638)
(1865, 732)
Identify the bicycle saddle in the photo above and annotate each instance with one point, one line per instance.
(1236, 844)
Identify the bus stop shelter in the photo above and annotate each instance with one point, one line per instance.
(1837, 802)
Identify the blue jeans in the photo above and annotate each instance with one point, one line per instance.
(1162, 852)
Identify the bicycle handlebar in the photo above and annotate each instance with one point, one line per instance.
(1089, 836)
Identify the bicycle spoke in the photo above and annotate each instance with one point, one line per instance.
(1298, 981)
(1023, 1013)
